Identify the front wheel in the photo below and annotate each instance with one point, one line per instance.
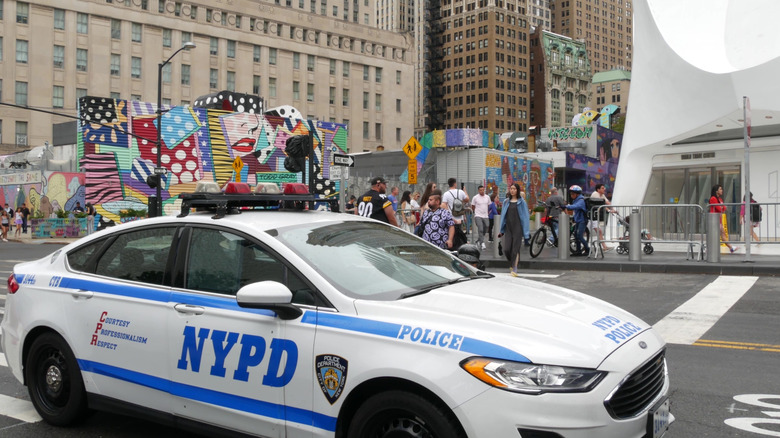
(400, 414)
(573, 239)
(54, 381)
(537, 242)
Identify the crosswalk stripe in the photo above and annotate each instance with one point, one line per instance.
(22, 410)
(686, 324)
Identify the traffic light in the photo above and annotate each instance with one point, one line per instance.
(153, 181)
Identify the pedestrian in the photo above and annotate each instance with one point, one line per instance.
(393, 197)
(78, 208)
(90, 218)
(18, 223)
(4, 224)
(492, 213)
(555, 204)
(716, 198)
(455, 200)
(596, 221)
(438, 225)
(514, 226)
(755, 216)
(580, 221)
(374, 203)
(481, 206)
(424, 199)
(405, 212)
(416, 207)
(350, 206)
(25, 215)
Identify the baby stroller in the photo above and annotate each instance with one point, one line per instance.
(622, 247)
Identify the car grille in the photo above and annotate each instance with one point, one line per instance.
(639, 389)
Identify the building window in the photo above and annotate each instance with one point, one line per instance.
(213, 78)
(345, 69)
(166, 74)
(116, 29)
(185, 74)
(256, 54)
(135, 97)
(21, 51)
(213, 46)
(21, 133)
(397, 134)
(116, 63)
(166, 101)
(135, 68)
(365, 130)
(82, 23)
(22, 12)
(332, 68)
(231, 81)
(167, 37)
(310, 92)
(231, 49)
(272, 87)
(365, 72)
(378, 131)
(256, 85)
(114, 95)
(310, 60)
(378, 75)
(272, 56)
(137, 32)
(58, 96)
(398, 77)
(59, 19)
(186, 37)
(365, 100)
(378, 102)
(332, 95)
(296, 90)
(398, 105)
(81, 59)
(296, 60)
(345, 97)
(59, 56)
(21, 93)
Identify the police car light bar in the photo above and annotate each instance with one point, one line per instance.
(239, 195)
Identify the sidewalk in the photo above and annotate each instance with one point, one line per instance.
(27, 238)
(658, 262)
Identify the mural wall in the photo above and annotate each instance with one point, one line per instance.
(535, 177)
(117, 151)
(45, 194)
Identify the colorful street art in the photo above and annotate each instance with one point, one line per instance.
(535, 177)
(594, 172)
(117, 151)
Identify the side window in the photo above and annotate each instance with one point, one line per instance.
(138, 255)
(223, 262)
(78, 259)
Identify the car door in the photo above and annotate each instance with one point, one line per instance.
(117, 315)
(231, 366)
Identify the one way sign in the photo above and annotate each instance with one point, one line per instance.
(343, 160)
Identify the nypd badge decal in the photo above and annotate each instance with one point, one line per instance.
(332, 375)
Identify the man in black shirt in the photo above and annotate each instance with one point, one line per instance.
(374, 203)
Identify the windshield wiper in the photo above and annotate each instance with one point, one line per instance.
(425, 290)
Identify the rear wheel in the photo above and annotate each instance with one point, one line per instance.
(400, 414)
(538, 241)
(54, 381)
(573, 239)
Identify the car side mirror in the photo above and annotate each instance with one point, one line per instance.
(270, 295)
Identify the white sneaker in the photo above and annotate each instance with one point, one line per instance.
(483, 246)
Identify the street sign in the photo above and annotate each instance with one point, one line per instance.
(160, 171)
(337, 172)
(412, 171)
(343, 160)
(412, 147)
(238, 164)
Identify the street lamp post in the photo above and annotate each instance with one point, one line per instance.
(158, 171)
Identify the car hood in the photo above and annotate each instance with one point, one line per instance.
(512, 318)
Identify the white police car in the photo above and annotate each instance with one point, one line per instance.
(316, 324)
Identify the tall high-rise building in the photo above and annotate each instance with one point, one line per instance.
(326, 58)
(476, 65)
(606, 26)
(539, 13)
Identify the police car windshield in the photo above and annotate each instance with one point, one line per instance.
(370, 260)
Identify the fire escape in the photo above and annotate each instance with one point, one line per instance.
(435, 109)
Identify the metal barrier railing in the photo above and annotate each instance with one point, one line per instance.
(668, 224)
(765, 227)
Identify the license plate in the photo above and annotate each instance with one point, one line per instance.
(658, 419)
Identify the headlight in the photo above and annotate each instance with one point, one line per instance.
(531, 378)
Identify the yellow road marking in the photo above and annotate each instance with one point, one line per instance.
(737, 345)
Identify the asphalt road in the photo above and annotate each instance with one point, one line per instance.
(723, 364)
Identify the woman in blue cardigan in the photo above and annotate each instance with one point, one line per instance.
(514, 226)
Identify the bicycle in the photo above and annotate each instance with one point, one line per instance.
(539, 239)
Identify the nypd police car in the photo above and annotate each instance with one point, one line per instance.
(251, 319)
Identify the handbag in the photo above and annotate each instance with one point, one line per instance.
(420, 230)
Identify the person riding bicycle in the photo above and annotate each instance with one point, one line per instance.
(580, 220)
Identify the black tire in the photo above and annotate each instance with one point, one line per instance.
(573, 240)
(54, 381)
(648, 249)
(402, 414)
(538, 242)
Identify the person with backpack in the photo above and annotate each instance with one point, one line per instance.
(580, 220)
(455, 200)
(596, 219)
(755, 216)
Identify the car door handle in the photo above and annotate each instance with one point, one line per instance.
(189, 309)
(81, 293)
